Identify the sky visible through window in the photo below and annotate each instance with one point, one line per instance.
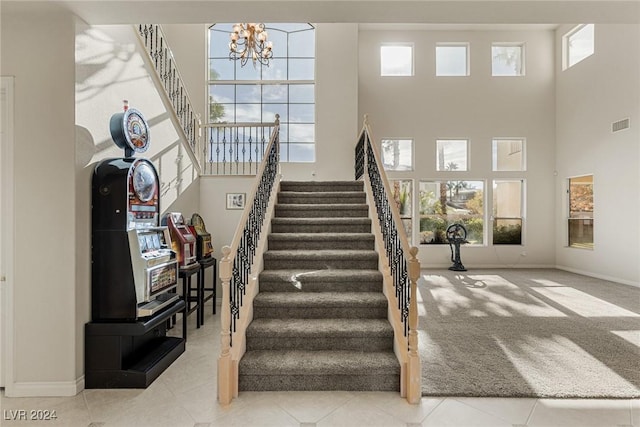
(396, 60)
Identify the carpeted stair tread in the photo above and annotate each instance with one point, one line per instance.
(278, 241)
(317, 328)
(321, 186)
(321, 258)
(322, 197)
(318, 362)
(323, 254)
(320, 221)
(324, 280)
(297, 210)
(322, 236)
(322, 299)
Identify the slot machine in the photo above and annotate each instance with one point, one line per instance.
(184, 242)
(134, 266)
(204, 244)
(134, 271)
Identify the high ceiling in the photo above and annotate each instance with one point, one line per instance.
(358, 11)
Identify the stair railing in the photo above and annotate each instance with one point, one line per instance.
(240, 265)
(160, 57)
(234, 148)
(401, 268)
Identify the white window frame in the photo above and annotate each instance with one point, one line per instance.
(397, 140)
(522, 208)
(521, 45)
(467, 47)
(566, 46)
(494, 154)
(467, 159)
(410, 73)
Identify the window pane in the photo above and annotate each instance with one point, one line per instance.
(274, 93)
(302, 93)
(507, 212)
(508, 155)
(507, 60)
(248, 72)
(222, 93)
(221, 69)
(302, 69)
(277, 70)
(450, 202)
(302, 44)
(581, 212)
(451, 60)
(302, 113)
(451, 155)
(228, 113)
(396, 60)
(579, 44)
(402, 192)
(269, 112)
(247, 93)
(302, 153)
(248, 113)
(301, 132)
(218, 44)
(279, 40)
(397, 154)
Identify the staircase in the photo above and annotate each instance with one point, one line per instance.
(320, 318)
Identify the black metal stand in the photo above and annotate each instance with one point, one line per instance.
(130, 354)
(204, 264)
(192, 302)
(457, 263)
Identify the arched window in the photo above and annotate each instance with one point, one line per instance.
(257, 93)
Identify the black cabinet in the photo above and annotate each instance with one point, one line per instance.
(130, 354)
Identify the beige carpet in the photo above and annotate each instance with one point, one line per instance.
(528, 333)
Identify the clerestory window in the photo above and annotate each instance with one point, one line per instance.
(251, 94)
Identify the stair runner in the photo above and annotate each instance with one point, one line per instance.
(320, 318)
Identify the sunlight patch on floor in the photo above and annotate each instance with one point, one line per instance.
(485, 295)
(583, 303)
(534, 357)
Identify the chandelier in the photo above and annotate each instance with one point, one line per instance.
(250, 41)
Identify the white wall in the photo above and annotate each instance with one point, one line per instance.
(46, 345)
(592, 94)
(478, 108)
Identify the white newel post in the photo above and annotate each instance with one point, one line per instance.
(414, 392)
(225, 365)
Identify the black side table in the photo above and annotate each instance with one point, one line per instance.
(192, 302)
(204, 264)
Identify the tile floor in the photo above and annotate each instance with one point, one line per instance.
(185, 395)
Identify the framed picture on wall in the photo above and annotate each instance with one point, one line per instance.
(236, 200)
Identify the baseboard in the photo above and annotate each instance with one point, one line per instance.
(485, 266)
(46, 389)
(598, 276)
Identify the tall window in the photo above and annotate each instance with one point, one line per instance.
(443, 203)
(578, 44)
(507, 59)
(451, 154)
(402, 190)
(396, 60)
(452, 59)
(507, 212)
(581, 212)
(257, 93)
(397, 154)
(508, 154)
